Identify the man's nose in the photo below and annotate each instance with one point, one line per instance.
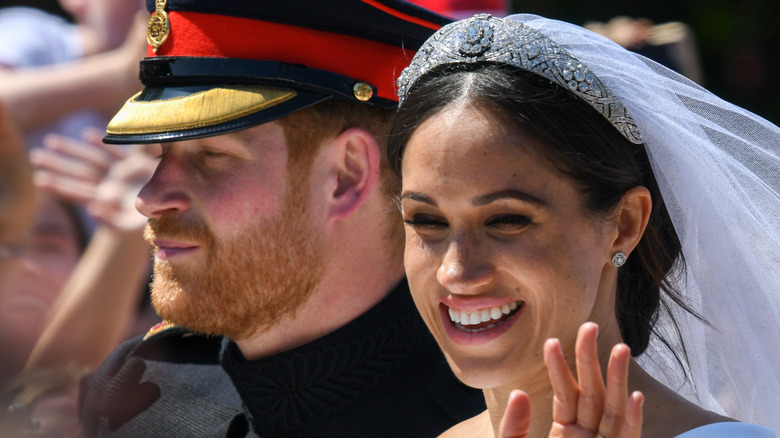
(166, 191)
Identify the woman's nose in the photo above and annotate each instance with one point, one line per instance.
(464, 270)
(166, 191)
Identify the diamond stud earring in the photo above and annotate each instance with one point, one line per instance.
(619, 259)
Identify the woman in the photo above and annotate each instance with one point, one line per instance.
(552, 180)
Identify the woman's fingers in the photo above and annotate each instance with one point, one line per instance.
(517, 417)
(590, 404)
(632, 428)
(587, 406)
(617, 391)
(565, 388)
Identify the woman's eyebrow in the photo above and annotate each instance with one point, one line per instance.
(419, 197)
(508, 194)
(484, 199)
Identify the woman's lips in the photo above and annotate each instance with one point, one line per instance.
(479, 325)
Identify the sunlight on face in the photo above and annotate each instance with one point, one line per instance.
(236, 251)
(500, 253)
(249, 282)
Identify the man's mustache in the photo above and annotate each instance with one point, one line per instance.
(170, 228)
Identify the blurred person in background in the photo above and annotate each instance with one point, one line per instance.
(672, 44)
(43, 77)
(32, 278)
(62, 309)
(30, 282)
(17, 192)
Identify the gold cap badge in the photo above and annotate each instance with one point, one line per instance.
(159, 26)
(363, 91)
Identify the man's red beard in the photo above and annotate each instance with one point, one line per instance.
(248, 283)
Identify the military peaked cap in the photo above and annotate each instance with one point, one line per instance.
(215, 67)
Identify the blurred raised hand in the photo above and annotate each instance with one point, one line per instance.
(106, 178)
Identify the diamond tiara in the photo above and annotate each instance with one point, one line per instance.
(484, 38)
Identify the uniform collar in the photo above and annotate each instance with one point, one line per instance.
(319, 382)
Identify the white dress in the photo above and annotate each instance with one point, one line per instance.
(729, 430)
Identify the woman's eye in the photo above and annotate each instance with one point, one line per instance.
(422, 223)
(509, 222)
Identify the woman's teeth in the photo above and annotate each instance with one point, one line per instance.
(479, 316)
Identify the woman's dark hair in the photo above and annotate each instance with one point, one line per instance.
(580, 144)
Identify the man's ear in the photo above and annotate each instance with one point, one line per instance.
(357, 169)
(632, 216)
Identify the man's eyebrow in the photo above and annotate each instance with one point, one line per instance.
(509, 194)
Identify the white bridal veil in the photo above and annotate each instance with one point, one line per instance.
(718, 167)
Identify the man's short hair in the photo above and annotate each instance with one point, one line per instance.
(307, 130)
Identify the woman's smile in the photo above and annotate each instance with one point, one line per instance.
(481, 325)
(497, 243)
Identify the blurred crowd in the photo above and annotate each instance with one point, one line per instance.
(73, 263)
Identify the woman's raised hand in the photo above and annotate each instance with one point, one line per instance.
(516, 422)
(585, 407)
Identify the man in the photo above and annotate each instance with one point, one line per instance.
(277, 249)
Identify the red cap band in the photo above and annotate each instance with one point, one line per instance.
(209, 35)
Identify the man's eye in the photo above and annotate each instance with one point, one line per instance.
(211, 157)
(210, 154)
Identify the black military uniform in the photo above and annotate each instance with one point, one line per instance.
(220, 66)
(382, 375)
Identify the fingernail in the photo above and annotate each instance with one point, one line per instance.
(638, 396)
(558, 345)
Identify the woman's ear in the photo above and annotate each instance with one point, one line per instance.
(632, 216)
(356, 171)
